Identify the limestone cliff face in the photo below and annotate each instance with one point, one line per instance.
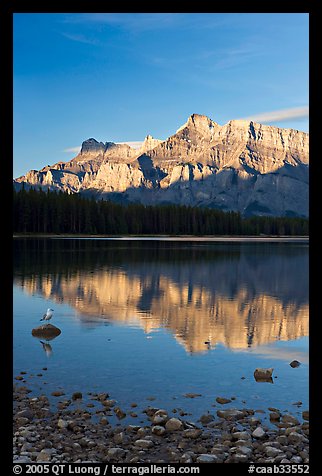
(244, 166)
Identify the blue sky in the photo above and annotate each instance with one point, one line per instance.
(120, 76)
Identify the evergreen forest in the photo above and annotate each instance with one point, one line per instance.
(39, 211)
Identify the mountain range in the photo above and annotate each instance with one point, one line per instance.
(243, 166)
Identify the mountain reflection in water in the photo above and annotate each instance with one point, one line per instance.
(241, 295)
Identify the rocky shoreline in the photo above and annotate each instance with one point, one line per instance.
(83, 433)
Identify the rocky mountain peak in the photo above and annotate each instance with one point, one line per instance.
(92, 146)
(198, 124)
(242, 165)
(149, 143)
(200, 121)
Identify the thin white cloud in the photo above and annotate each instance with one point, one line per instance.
(274, 352)
(280, 115)
(79, 38)
(130, 21)
(73, 150)
(135, 144)
(144, 22)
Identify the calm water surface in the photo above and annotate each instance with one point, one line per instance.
(143, 319)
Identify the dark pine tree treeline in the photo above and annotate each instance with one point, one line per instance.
(38, 211)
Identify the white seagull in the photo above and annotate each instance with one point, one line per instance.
(48, 315)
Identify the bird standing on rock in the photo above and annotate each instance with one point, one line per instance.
(48, 315)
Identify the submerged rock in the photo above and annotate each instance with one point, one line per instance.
(119, 413)
(223, 400)
(77, 396)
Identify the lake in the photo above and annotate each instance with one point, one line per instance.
(152, 320)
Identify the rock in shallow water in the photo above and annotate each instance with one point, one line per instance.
(263, 375)
(77, 396)
(295, 363)
(46, 331)
(232, 414)
(223, 400)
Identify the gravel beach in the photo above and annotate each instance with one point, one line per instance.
(79, 429)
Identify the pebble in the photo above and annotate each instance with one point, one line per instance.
(223, 400)
(115, 452)
(159, 417)
(207, 418)
(57, 393)
(231, 414)
(158, 430)
(144, 443)
(271, 451)
(206, 458)
(44, 456)
(46, 433)
(244, 450)
(174, 424)
(62, 423)
(290, 419)
(241, 435)
(192, 433)
(119, 413)
(259, 432)
(77, 396)
(305, 415)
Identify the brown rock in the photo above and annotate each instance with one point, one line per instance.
(46, 331)
(119, 413)
(174, 424)
(77, 396)
(223, 400)
(306, 415)
(295, 363)
(57, 393)
(192, 433)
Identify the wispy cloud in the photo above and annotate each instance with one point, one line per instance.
(278, 353)
(72, 150)
(235, 56)
(130, 21)
(80, 38)
(135, 144)
(143, 22)
(280, 115)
